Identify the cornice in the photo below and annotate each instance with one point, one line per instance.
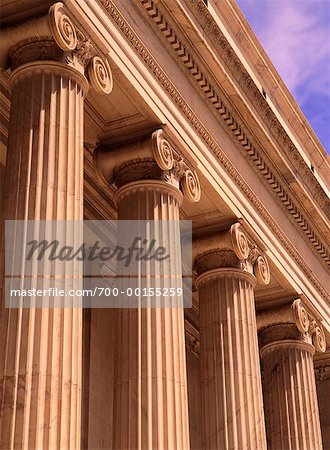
(211, 92)
(234, 64)
(118, 20)
(276, 91)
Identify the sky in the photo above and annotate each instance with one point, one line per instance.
(296, 36)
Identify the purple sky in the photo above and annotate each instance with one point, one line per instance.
(296, 37)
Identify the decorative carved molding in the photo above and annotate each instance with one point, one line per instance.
(290, 323)
(160, 75)
(55, 37)
(230, 249)
(192, 339)
(152, 158)
(322, 366)
(217, 38)
(322, 373)
(211, 92)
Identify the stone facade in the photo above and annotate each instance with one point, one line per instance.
(157, 110)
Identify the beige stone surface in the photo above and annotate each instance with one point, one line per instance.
(322, 376)
(41, 348)
(222, 153)
(233, 414)
(323, 395)
(100, 380)
(150, 378)
(288, 342)
(232, 406)
(292, 414)
(150, 396)
(194, 399)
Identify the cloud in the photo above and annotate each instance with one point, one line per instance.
(296, 37)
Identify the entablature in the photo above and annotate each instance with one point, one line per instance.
(237, 102)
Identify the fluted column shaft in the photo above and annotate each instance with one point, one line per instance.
(45, 150)
(231, 383)
(150, 388)
(289, 336)
(292, 416)
(41, 350)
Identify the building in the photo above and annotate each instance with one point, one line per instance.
(84, 87)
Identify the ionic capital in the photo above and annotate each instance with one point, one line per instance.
(151, 158)
(55, 37)
(290, 325)
(230, 249)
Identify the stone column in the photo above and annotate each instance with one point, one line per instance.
(322, 377)
(228, 266)
(289, 336)
(41, 348)
(150, 387)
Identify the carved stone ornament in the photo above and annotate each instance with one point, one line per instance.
(123, 27)
(322, 373)
(162, 150)
(230, 249)
(291, 323)
(215, 97)
(261, 270)
(62, 28)
(190, 186)
(239, 241)
(100, 76)
(192, 339)
(318, 337)
(300, 316)
(149, 158)
(55, 37)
